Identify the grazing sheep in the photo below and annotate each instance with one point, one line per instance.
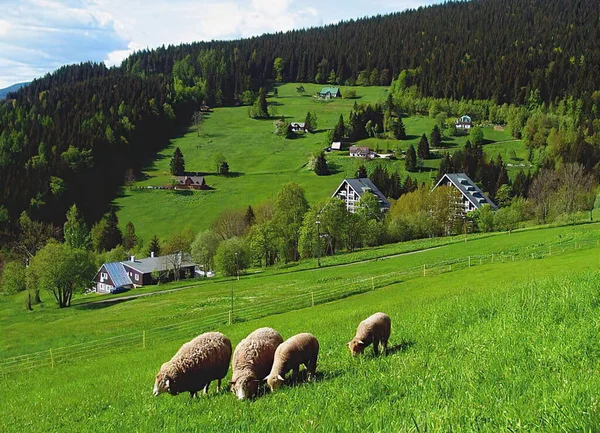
(195, 365)
(375, 329)
(296, 350)
(252, 360)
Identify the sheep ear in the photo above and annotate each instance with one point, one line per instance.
(361, 342)
(265, 379)
(348, 343)
(280, 378)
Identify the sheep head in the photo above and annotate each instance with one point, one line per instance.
(356, 346)
(163, 381)
(274, 382)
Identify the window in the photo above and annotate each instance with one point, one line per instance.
(137, 277)
(104, 275)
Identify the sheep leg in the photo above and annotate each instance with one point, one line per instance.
(219, 386)
(206, 388)
(376, 346)
(312, 368)
(384, 343)
(296, 372)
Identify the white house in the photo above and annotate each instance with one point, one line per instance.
(463, 123)
(351, 190)
(472, 197)
(336, 145)
(361, 152)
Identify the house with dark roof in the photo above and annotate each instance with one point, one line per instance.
(351, 190)
(115, 277)
(297, 127)
(191, 181)
(472, 196)
(330, 92)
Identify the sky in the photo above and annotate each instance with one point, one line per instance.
(39, 36)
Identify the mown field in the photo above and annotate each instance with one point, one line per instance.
(499, 347)
(261, 162)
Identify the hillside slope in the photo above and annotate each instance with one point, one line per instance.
(9, 89)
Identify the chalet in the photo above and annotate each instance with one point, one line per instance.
(351, 190)
(361, 152)
(463, 123)
(330, 92)
(191, 181)
(472, 197)
(297, 127)
(116, 277)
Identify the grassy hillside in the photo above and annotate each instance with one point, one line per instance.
(508, 346)
(261, 162)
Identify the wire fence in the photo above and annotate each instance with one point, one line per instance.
(318, 294)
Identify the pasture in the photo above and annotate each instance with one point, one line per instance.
(498, 348)
(261, 162)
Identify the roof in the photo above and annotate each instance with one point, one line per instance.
(117, 274)
(468, 189)
(161, 263)
(332, 90)
(464, 119)
(336, 145)
(363, 149)
(199, 180)
(362, 185)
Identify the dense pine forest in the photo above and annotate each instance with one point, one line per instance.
(71, 136)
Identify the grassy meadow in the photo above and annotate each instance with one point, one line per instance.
(262, 162)
(504, 346)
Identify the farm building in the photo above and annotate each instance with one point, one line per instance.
(361, 152)
(116, 277)
(463, 123)
(330, 92)
(351, 190)
(472, 197)
(336, 145)
(191, 181)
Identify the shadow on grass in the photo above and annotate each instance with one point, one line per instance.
(399, 348)
(98, 305)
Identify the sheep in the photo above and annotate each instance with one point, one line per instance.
(375, 329)
(252, 360)
(296, 350)
(196, 364)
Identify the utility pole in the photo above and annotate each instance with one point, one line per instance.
(237, 266)
(318, 243)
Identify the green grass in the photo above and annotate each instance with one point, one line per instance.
(499, 347)
(262, 162)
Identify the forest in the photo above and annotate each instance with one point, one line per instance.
(73, 135)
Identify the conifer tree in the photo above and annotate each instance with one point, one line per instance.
(361, 172)
(129, 238)
(177, 163)
(424, 147)
(436, 137)
(76, 232)
(399, 130)
(339, 131)
(321, 168)
(411, 159)
(154, 247)
(250, 217)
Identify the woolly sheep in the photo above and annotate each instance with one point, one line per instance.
(252, 360)
(375, 329)
(195, 365)
(296, 350)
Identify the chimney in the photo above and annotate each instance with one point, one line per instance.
(152, 254)
(132, 259)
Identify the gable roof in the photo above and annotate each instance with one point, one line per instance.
(160, 263)
(332, 90)
(468, 189)
(117, 274)
(196, 180)
(361, 186)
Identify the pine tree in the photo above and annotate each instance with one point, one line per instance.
(395, 187)
(321, 168)
(224, 169)
(399, 130)
(250, 217)
(411, 159)
(424, 147)
(310, 122)
(106, 234)
(361, 173)
(154, 247)
(177, 163)
(339, 132)
(129, 238)
(436, 138)
(446, 166)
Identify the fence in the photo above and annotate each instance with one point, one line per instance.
(318, 295)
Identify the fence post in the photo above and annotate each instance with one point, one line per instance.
(550, 250)
(312, 296)
(144, 339)
(372, 283)
(492, 258)
(51, 359)
(424, 271)
(469, 261)
(230, 317)
(450, 268)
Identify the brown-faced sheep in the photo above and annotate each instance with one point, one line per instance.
(375, 329)
(252, 361)
(299, 349)
(195, 365)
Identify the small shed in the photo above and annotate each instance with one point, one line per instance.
(330, 92)
(464, 122)
(336, 145)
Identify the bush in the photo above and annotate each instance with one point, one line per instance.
(13, 278)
